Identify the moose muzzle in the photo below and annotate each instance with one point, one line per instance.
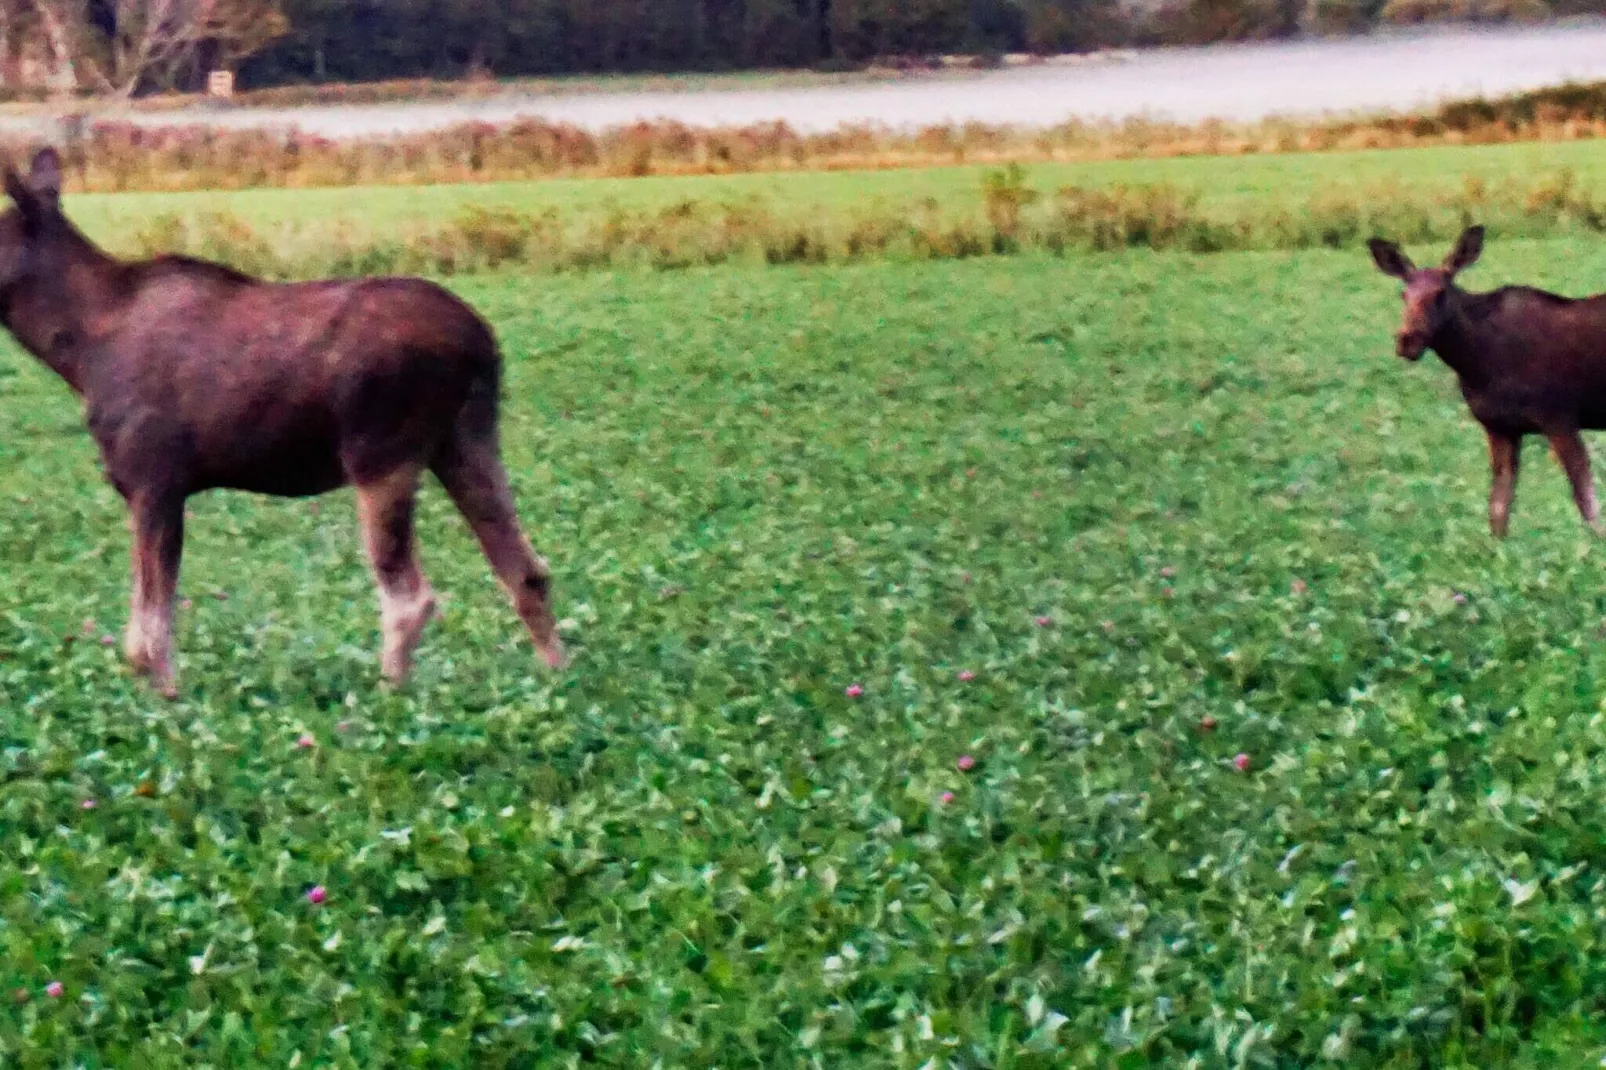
(1410, 345)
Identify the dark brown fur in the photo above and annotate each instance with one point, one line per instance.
(1529, 363)
(195, 377)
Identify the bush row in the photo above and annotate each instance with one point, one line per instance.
(1013, 218)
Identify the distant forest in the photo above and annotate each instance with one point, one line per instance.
(364, 40)
(137, 46)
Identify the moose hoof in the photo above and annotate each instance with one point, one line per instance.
(159, 674)
(396, 666)
(136, 654)
(552, 652)
(404, 627)
(160, 677)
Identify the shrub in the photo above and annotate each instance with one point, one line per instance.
(1013, 218)
(1005, 196)
(1408, 12)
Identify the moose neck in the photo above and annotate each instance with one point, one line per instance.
(64, 301)
(1457, 340)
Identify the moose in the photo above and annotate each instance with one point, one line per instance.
(1528, 361)
(195, 377)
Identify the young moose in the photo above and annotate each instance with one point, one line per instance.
(1529, 362)
(195, 377)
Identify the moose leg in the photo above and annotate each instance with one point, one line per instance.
(1574, 458)
(473, 475)
(406, 603)
(1504, 455)
(157, 520)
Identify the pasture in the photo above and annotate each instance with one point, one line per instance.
(1223, 183)
(1076, 532)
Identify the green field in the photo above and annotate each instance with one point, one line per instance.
(1135, 495)
(1223, 183)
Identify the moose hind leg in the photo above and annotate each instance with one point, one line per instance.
(473, 476)
(406, 602)
(157, 521)
(1504, 456)
(1574, 457)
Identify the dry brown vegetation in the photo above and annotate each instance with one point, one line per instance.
(112, 156)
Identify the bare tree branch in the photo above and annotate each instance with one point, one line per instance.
(62, 23)
(152, 43)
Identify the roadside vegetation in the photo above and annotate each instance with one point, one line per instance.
(120, 156)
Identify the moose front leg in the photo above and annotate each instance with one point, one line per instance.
(157, 520)
(1574, 458)
(1504, 456)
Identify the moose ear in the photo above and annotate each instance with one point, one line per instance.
(39, 194)
(1389, 259)
(45, 177)
(18, 190)
(1466, 250)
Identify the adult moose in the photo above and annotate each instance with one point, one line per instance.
(1529, 362)
(195, 377)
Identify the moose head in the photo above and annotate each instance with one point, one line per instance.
(1430, 293)
(36, 201)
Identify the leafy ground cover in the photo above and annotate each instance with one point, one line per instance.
(1011, 662)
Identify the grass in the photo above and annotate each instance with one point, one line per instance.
(1227, 500)
(1220, 182)
(1289, 202)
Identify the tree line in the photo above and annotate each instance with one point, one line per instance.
(362, 40)
(129, 46)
